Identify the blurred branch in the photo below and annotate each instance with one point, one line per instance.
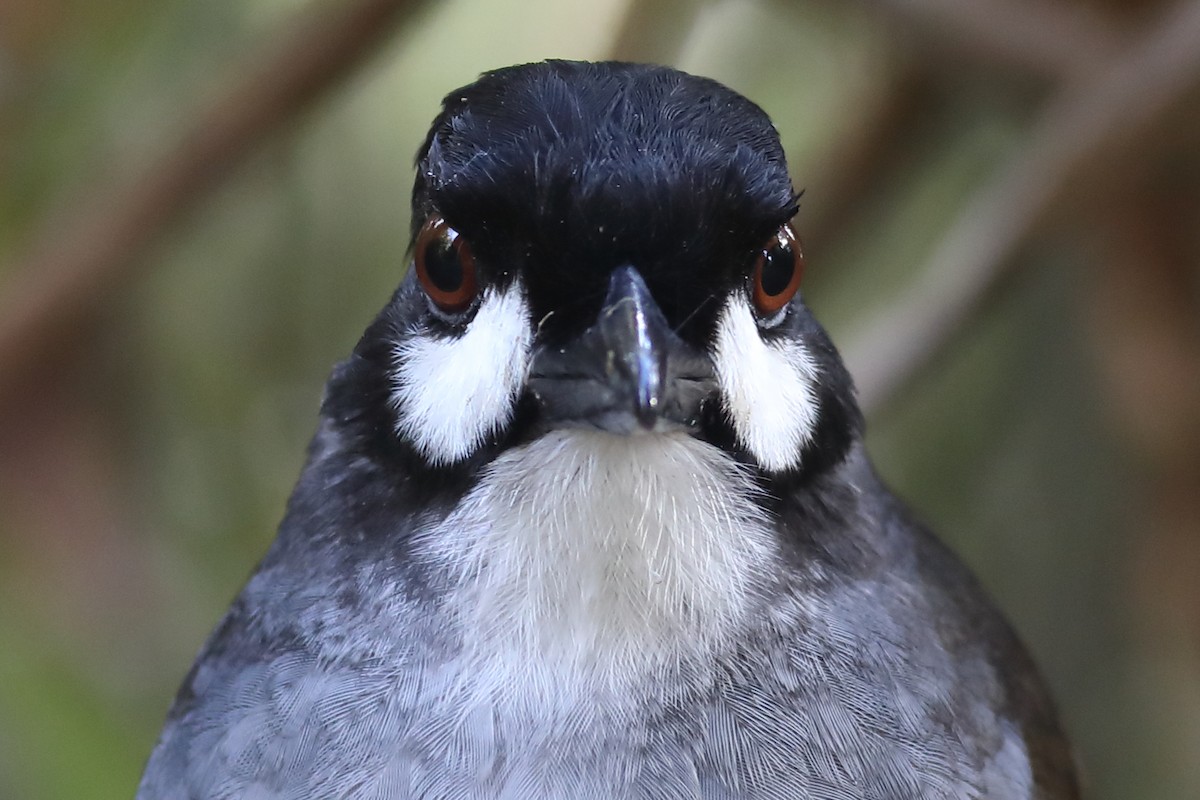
(1089, 121)
(56, 284)
(1054, 39)
(1145, 330)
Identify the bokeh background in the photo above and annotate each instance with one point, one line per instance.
(202, 203)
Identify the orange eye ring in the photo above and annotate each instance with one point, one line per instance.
(777, 272)
(445, 266)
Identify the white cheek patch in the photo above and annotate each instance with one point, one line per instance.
(769, 388)
(451, 393)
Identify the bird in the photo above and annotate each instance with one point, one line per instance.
(588, 512)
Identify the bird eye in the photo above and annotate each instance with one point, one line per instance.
(777, 272)
(445, 266)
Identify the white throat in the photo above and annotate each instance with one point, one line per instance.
(594, 549)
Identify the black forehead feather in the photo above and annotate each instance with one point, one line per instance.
(615, 161)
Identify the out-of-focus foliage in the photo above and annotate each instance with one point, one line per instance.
(143, 471)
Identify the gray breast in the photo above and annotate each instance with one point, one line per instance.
(634, 671)
(802, 708)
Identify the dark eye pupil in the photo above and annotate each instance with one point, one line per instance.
(443, 266)
(778, 266)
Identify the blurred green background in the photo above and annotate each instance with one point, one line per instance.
(168, 314)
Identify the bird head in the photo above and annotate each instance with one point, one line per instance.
(603, 247)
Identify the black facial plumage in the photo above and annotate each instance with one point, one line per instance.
(562, 171)
(568, 169)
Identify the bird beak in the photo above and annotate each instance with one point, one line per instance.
(627, 372)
